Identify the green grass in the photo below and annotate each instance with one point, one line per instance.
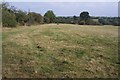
(64, 50)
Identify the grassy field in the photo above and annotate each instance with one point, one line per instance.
(63, 50)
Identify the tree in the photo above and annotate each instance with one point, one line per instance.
(49, 17)
(8, 17)
(75, 19)
(21, 17)
(116, 21)
(104, 21)
(35, 18)
(46, 20)
(84, 16)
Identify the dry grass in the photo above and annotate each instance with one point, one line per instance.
(62, 50)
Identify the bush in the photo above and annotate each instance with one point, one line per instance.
(34, 18)
(8, 19)
(92, 22)
(21, 17)
(82, 23)
(46, 20)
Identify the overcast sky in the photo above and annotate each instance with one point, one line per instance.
(70, 8)
(61, 0)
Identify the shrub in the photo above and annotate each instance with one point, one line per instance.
(8, 19)
(82, 23)
(46, 20)
(92, 22)
(21, 17)
(34, 18)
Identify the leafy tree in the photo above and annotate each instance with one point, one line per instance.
(35, 18)
(75, 19)
(116, 21)
(46, 20)
(105, 20)
(8, 17)
(12, 16)
(84, 16)
(21, 17)
(49, 17)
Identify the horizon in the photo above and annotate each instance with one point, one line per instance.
(66, 9)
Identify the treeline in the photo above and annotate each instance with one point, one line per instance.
(11, 17)
(91, 21)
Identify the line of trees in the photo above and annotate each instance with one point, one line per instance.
(11, 17)
(86, 19)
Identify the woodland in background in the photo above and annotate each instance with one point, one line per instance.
(12, 17)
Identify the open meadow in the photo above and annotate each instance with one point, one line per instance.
(64, 50)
